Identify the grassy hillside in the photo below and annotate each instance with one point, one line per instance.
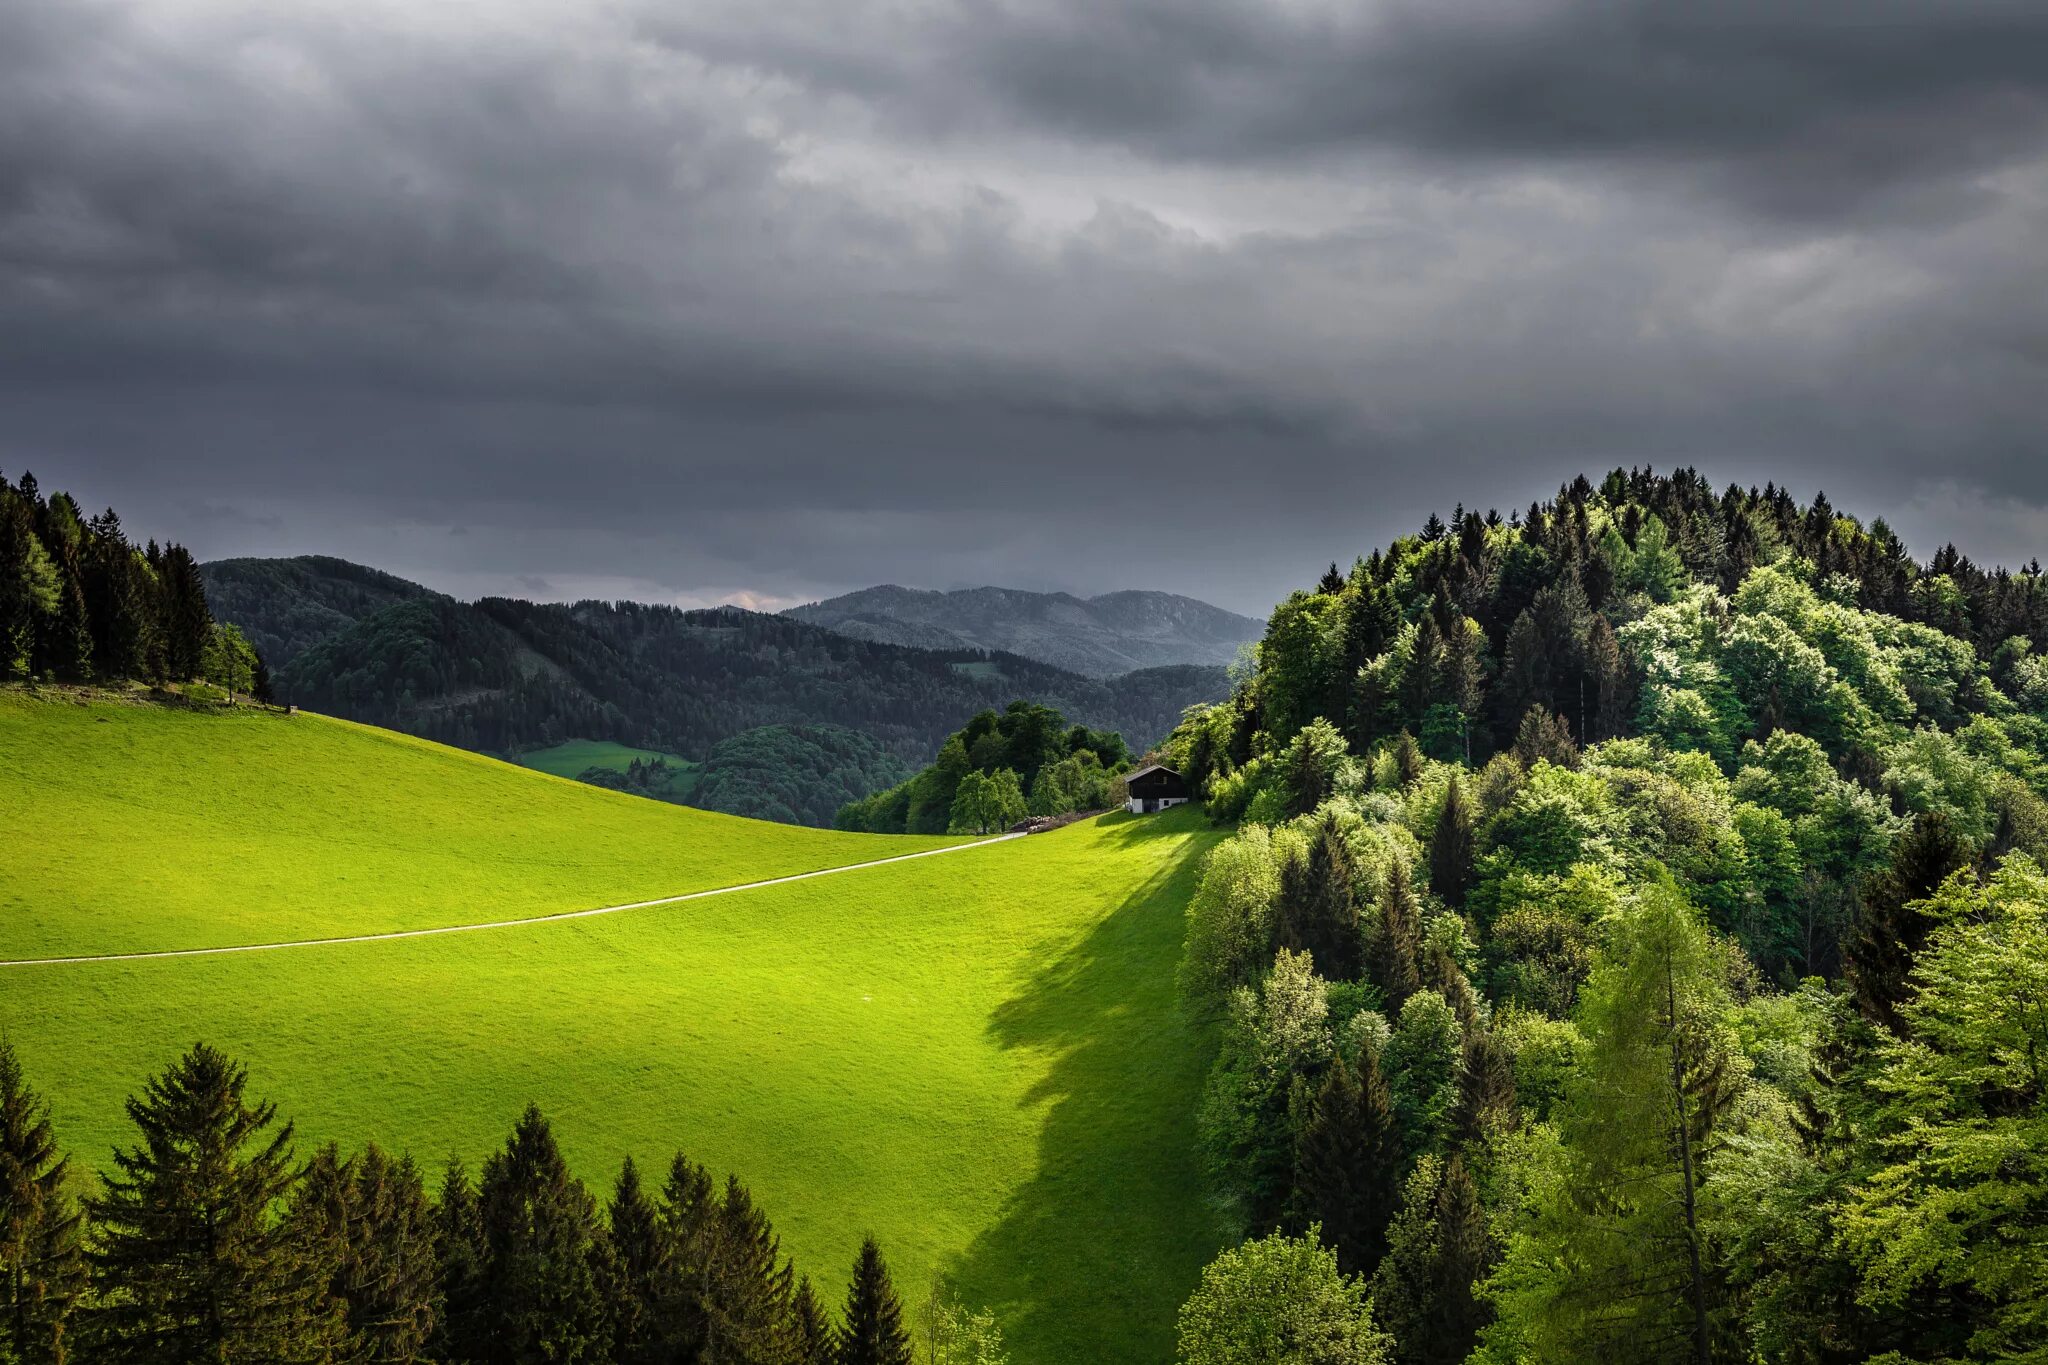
(159, 828)
(574, 757)
(979, 1057)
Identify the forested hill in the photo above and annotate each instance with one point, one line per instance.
(286, 605)
(1634, 941)
(502, 674)
(1099, 636)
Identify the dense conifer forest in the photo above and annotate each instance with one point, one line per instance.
(80, 603)
(1634, 946)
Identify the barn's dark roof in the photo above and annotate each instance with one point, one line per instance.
(1151, 768)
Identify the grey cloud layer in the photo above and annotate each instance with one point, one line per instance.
(845, 294)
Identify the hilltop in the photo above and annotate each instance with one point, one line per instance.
(1098, 636)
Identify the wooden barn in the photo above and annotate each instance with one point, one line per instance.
(1155, 787)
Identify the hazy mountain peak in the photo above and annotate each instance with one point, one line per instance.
(1104, 635)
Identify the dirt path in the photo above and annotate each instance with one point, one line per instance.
(497, 923)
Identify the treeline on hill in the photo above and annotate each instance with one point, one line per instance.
(209, 1242)
(1634, 946)
(502, 675)
(798, 774)
(996, 770)
(79, 603)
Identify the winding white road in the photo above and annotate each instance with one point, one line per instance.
(496, 923)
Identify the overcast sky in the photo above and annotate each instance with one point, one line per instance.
(706, 300)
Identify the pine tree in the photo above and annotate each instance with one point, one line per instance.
(1610, 682)
(1450, 848)
(689, 1223)
(459, 1326)
(1407, 759)
(1545, 735)
(636, 1266)
(873, 1331)
(41, 1267)
(540, 1295)
(1318, 913)
(187, 625)
(749, 1302)
(1889, 932)
(367, 1220)
(1486, 1087)
(1437, 1253)
(1393, 953)
(811, 1333)
(1348, 1161)
(191, 1261)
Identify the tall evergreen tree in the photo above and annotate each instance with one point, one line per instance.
(459, 1326)
(41, 1269)
(1394, 951)
(368, 1222)
(749, 1302)
(187, 625)
(873, 1332)
(1450, 848)
(689, 1221)
(811, 1334)
(191, 1261)
(1348, 1162)
(1437, 1252)
(636, 1265)
(539, 1281)
(1889, 930)
(1318, 912)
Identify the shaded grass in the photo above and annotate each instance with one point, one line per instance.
(137, 827)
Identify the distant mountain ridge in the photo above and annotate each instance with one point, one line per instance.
(1098, 636)
(504, 675)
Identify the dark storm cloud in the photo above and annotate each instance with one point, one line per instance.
(1809, 107)
(782, 300)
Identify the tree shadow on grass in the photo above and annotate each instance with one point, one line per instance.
(1095, 1252)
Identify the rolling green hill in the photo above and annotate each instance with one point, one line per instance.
(979, 1057)
(158, 828)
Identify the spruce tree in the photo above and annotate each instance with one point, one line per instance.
(1348, 1162)
(1889, 932)
(1394, 950)
(1438, 1251)
(749, 1301)
(1486, 1087)
(1450, 848)
(1545, 735)
(811, 1331)
(1318, 912)
(460, 1325)
(41, 1268)
(689, 1223)
(368, 1222)
(539, 1272)
(873, 1332)
(191, 1261)
(636, 1266)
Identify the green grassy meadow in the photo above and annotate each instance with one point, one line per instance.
(978, 1058)
(136, 827)
(572, 757)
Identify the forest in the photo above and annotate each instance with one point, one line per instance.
(996, 770)
(210, 1240)
(1634, 946)
(80, 603)
(502, 675)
